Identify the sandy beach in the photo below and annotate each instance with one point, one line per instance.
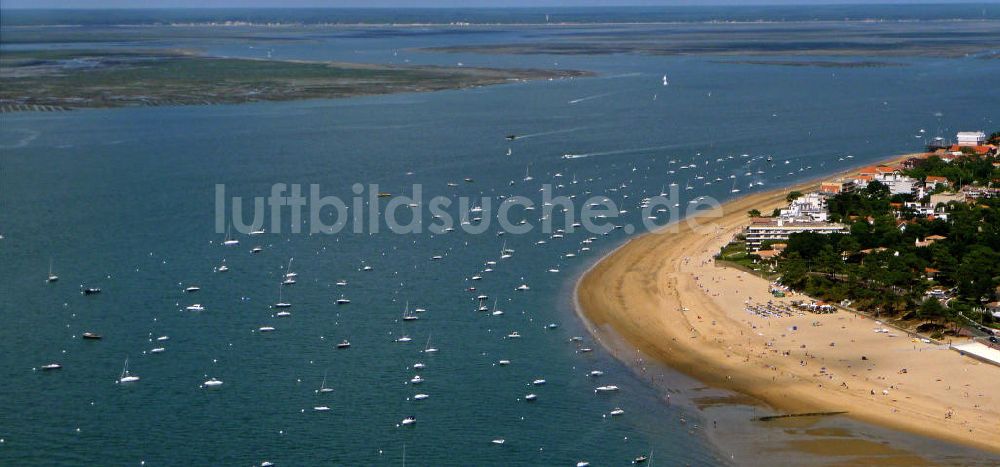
(663, 293)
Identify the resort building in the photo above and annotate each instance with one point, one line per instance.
(766, 229)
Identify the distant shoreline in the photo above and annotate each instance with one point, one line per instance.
(40, 80)
(237, 24)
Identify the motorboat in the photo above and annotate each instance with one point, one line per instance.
(212, 383)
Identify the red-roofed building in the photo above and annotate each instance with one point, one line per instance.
(935, 180)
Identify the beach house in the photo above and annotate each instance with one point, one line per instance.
(971, 138)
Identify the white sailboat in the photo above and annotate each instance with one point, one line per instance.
(527, 175)
(126, 377)
(229, 241)
(322, 387)
(504, 252)
(428, 348)
(281, 303)
(51, 277)
(407, 316)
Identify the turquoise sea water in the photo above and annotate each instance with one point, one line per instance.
(124, 200)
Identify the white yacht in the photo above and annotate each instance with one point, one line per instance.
(195, 307)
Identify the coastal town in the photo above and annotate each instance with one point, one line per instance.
(911, 242)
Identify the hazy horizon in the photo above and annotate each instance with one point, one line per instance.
(208, 4)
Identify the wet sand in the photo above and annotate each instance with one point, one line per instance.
(664, 295)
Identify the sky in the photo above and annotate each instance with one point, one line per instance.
(420, 3)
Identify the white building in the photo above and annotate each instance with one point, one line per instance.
(810, 207)
(777, 230)
(971, 138)
(898, 183)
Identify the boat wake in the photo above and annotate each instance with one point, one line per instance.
(619, 151)
(553, 132)
(598, 96)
